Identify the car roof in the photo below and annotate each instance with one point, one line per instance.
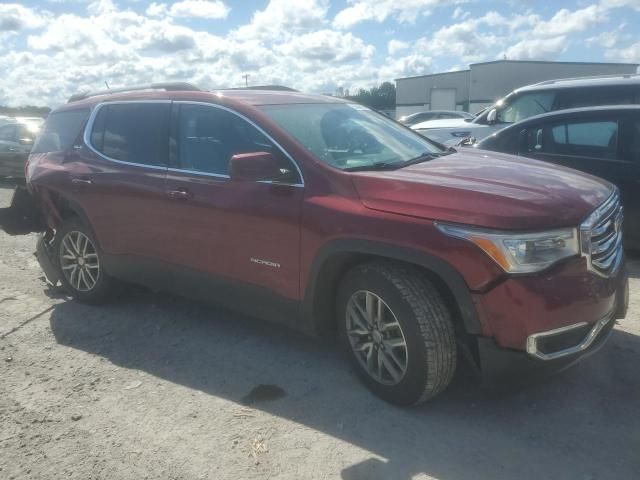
(578, 82)
(240, 96)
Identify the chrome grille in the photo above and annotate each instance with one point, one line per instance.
(601, 237)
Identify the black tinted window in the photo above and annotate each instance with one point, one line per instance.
(208, 137)
(60, 130)
(588, 139)
(133, 132)
(589, 97)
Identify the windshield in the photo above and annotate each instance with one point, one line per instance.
(349, 136)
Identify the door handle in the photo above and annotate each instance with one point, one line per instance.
(81, 181)
(179, 194)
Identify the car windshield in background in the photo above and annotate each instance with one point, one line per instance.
(350, 136)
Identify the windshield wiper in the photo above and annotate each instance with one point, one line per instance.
(375, 166)
(425, 157)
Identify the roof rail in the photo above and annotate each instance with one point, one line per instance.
(167, 86)
(263, 87)
(569, 79)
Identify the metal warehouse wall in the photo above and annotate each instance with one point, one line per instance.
(492, 81)
(414, 94)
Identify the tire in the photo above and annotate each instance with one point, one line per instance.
(97, 285)
(425, 326)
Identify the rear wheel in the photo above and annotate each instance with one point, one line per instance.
(80, 263)
(398, 332)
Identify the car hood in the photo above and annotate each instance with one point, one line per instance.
(443, 123)
(485, 189)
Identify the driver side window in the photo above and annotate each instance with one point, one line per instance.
(208, 136)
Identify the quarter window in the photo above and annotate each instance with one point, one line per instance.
(133, 132)
(209, 136)
(60, 130)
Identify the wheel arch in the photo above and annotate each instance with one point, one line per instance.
(337, 257)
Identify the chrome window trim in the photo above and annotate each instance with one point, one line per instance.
(587, 341)
(89, 128)
(196, 172)
(257, 127)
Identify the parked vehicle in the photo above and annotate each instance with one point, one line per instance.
(420, 117)
(16, 140)
(324, 215)
(537, 99)
(602, 141)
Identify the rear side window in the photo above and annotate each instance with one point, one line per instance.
(590, 97)
(60, 130)
(587, 139)
(133, 132)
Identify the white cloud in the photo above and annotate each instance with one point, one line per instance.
(620, 3)
(537, 49)
(566, 21)
(395, 46)
(212, 9)
(404, 11)
(15, 17)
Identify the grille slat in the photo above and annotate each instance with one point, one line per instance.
(605, 237)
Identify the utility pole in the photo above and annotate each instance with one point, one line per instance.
(246, 79)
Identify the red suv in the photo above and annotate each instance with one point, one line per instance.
(324, 215)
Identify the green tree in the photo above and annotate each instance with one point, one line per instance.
(380, 97)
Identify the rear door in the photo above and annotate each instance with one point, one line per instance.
(246, 233)
(118, 179)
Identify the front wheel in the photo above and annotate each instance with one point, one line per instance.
(80, 263)
(398, 332)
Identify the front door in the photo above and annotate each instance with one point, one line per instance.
(245, 234)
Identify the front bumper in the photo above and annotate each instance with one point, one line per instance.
(550, 350)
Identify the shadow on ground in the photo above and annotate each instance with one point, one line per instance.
(581, 424)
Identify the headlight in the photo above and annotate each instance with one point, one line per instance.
(520, 253)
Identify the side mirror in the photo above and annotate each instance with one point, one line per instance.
(491, 116)
(256, 167)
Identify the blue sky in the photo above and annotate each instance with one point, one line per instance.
(52, 48)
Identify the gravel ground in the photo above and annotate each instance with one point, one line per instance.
(154, 386)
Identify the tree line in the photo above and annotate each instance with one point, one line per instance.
(382, 97)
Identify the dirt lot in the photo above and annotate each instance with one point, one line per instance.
(158, 387)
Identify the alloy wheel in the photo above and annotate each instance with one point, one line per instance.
(376, 337)
(79, 261)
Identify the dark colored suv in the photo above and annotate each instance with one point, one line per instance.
(602, 141)
(324, 215)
